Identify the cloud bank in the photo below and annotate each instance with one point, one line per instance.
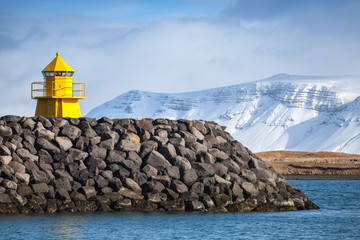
(175, 51)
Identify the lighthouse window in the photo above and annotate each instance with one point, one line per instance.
(70, 74)
(48, 74)
(60, 73)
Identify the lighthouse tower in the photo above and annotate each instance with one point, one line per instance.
(58, 95)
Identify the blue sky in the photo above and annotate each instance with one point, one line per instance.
(172, 45)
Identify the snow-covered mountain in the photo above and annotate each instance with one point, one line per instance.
(283, 112)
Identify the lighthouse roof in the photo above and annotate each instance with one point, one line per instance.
(58, 64)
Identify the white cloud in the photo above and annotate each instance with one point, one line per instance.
(170, 55)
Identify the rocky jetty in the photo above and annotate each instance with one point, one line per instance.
(52, 165)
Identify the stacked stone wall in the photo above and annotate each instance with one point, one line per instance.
(86, 165)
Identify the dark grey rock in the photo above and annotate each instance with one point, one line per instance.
(40, 188)
(128, 146)
(61, 183)
(63, 174)
(63, 157)
(17, 167)
(107, 144)
(5, 131)
(8, 184)
(156, 197)
(122, 173)
(39, 176)
(189, 177)
(64, 143)
(77, 154)
(24, 154)
(115, 157)
(29, 147)
(100, 181)
(219, 155)
(24, 189)
(168, 151)
(179, 141)
(194, 205)
(231, 165)
(147, 147)
(200, 125)
(23, 177)
(76, 196)
(88, 191)
(130, 194)
(45, 157)
(157, 160)
(171, 194)
(173, 172)
(45, 144)
(194, 131)
(45, 134)
(5, 160)
(72, 168)
(130, 165)
(134, 157)
(179, 187)
(132, 185)
(4, 151)
(220, 169)
(29, 124)
(237, 190)
(97, 152)
(255, 163)
(107, 174)
(205, 157)
(161, 141)
(115, 183)
(149, 170)
(249, 189)
(248, 175)
(82, 143)
(188, 137)
(221, 180)
(207, 201)
(71, 132)
(203, 169)
(182, 163)
(139, 177)
(197, 147)
(185, 152)
(222, 200)
(197, 187)
(164, 179)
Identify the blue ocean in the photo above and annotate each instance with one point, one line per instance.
(338, 218)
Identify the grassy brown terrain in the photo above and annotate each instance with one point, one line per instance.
(323, 164)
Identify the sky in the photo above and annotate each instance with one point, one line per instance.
(171, 45)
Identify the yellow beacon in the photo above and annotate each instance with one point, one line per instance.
(58, 95)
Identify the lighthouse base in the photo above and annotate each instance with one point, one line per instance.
(58, 107)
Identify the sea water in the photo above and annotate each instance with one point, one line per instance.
(338, 218)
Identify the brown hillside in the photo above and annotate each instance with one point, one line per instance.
(312, 163)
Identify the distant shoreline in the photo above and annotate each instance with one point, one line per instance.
(295, 165)
(321, 177)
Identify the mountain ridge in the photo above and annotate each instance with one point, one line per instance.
(310, 113)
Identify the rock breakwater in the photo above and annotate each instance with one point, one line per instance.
(52, 165)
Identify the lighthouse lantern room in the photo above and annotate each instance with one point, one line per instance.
(58, 95)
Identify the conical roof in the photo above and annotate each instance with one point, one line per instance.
(58, 64)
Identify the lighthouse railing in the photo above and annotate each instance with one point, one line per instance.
(38, 89)
(78, 89)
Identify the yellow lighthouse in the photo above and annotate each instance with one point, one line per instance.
(58, 95)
